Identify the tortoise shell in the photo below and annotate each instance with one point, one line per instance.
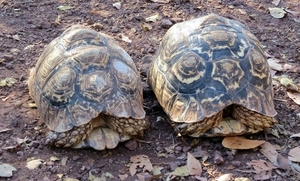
(81, 74)
(207, 64)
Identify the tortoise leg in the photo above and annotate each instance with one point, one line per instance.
(252, 119)
(197, 129)
(69, 138)
(75, 135)
(127, 126)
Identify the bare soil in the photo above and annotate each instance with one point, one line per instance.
(26, 27)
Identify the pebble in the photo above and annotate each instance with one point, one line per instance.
(9, 66)
(14, 51)
(159, 148)
(218, 159)
(166, 23)
(75, 158)
(178, 149)
(34, 144)
(50, 163)
(236, 163)
(20, 153)
(131, 145)
(115, 30)
(110, 161)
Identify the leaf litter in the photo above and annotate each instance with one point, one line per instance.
(142, 162)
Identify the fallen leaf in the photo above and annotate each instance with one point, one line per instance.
(117, 5)
(34, 164)
(153, 18)
(125, 38)
(54, 158)
(123, 177)
(274, 65)
(263, 175)
(240, 143)
(294, 154)
(270, 152)
(295, 96)
(60, 175)
(141, 161)
(181, 171)
(261, 165)
(64, 160)
(6, 170)
(143, 176)
(193, 165)
(8, 82)
(294, 13)
(283, 163)
(161, 1)
(225, 177)
(277, 12)
(263, 169)
(146, 26)
(276, 2)
(108, 175)
(157, 169)
(64, 7)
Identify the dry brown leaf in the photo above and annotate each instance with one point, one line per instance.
(141, 161)
(240, 143)
(294, 154)
(274, 65)
(283, 163)
(143, 176)
(261, 165)
(276, 2)
(269, 151)
(295, 96)
(123, 177)
(161, 1)
(294, 13)
(193, 165)
(263, 175)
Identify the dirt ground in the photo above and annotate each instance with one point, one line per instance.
(26, 27)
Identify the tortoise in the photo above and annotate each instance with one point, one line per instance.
(84, 81)
(208, 68)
